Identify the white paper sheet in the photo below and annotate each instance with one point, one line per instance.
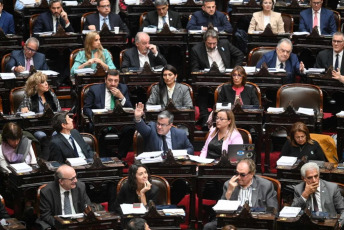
(129, 209)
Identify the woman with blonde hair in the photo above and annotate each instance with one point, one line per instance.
(222, 135)
(93, 54)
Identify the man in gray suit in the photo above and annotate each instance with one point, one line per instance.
(316, 194)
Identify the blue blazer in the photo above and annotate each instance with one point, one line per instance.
(7, 23)
(95, 98)
(18, 58)
(201, 18)
(44, 23)
(292, 65)
(327, 23)
(114, 19)
(153, 141)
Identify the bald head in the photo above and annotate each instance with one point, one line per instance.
(66, 177)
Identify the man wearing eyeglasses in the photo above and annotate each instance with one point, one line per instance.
(316, 15)
(65, 195)
(245, 186)
(95, 21)
(21, 60)
(161, 135)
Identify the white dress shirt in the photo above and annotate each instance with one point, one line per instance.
(108, 99)
(161, 21)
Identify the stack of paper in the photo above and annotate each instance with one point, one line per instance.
(315, 70)
(99, 110)
(128, 109)
(226, 205)
(220, 106)
(290, 211)
(71, 3)
(199, 159)
(152, 160)
(84, 70)
(275, 110)
(250, 69)
(274, 70)
(306, 111)
(195, 31)
(28, 114)
(21, 167)
(149, 30)
(129, 209)
(49, 72)
(174, 212)
(5, 76)
(150, 157)
(175, 2)
(153, 107)
(286, 161)
(77, 161)
(300, 33)
(72, 216)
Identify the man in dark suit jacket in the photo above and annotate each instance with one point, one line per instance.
(283, 58)
(6, 20)
(161, 135)
(142, 52)
(316, 194)
(67, 143)
(19, 58)
(327, 22)
(66, 190)
(162, 15)
(95, 21)
(48, 21)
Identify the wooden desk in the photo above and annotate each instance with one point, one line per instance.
(257, 221)
(13, 224)
(71, 40)
(306, 224)
(258, 40)
(196, 38)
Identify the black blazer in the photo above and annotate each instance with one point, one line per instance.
(231, 56)
(325, 60)
(114, 19)
(60, 149)
(248, 95)
(152, 18)
(44, 23)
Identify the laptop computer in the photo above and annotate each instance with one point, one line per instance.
(240, 151)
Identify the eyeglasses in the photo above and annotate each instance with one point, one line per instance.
(30, 50)
(317, 3)
(162, 125)
(336, 41)
(71, 179)
(221, 119)
(105, 6)
(241, 174)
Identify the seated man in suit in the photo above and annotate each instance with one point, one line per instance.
(142, 52)
(245, 186)
(103, 96)
(209, 15)
(95, 21)
(162, 15)
(161, 135)
(316, 194)
(283, 58)
(49, 21)
(65, 195)
(21, 60)
(67, 143)
(6, 20)
(310, 18)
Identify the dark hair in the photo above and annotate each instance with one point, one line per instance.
(261, 3)
(11, 131)
(204, 1)
(58, 120)
(136, 224)
(250, 163)
(98, 2)
(162, 84)
(299, 127)
(112, 72)
(54, 1)
(132, 175)
(1, 2)
(240, 71)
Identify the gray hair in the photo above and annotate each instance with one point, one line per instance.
(51, 2)
(138, 36)
(211, 33)
(286, 40)
(32, 39)
(308, 166)
(338, 34)
(166, 114)
(161, 2)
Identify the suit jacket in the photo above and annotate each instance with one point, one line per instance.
(325, 60)
(231, 56)
(114, 20)
(181, 96)
(153, 141)
(292, 65)
(257, 22)
(50, 201)
(131, 58)
(330, 198)
(18, 58)
(248, 95)
(327, 23)
(263, 193)
(60, 149)
(152, 18)
(95, 98)
(7, 22)
(44, 23)
(201, 18)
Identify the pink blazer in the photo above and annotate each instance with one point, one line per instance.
(257, 22)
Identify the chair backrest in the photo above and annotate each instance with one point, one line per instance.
(246, 136)
(84, 92)
(72, 56)
(149, 90)
(138, 143)
(256, 53)
(38, 211)
(288, 23)
(338, 19)
(4, 61)
(251, 84)
(164, 197)
(278, 188)
(328, 146)
(142, 18)
(83, 19)
(32, 23)
(301, 95)
(121, 57)
(92, 141)
(16, 97)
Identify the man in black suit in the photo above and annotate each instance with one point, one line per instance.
(21, 60)
(65, 195)
(67, 143)
(162, 15)
(95, 21)
(142, 52)
(49, 21)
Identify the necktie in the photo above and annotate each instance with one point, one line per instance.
(336, 64)
(67, 207)
(315, 203)
(164, 143)
(112, 105)
(281, 66)
(104, 21)
(28, 64)
(74, 146)
(57, 23)
(164, 20)
(315, 22)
